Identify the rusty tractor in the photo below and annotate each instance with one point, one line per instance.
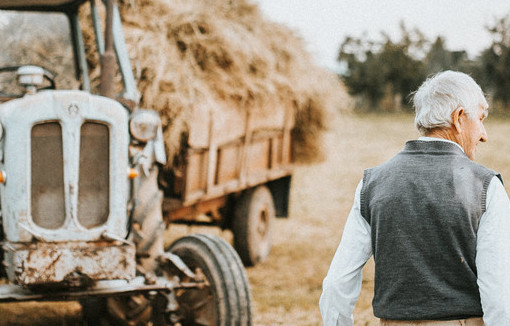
(81, 208)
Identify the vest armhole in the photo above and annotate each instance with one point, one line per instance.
(362, 197)
(486, 183)
(500, 178)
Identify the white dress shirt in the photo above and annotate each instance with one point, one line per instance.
(342, 284)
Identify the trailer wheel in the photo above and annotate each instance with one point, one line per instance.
(252, 225)
(227, 300)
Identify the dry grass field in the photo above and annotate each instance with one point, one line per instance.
(286, 288)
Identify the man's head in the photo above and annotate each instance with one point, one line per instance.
(451, 105)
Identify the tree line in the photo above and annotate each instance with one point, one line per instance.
(381, 74)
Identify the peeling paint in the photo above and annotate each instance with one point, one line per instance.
(45, 263)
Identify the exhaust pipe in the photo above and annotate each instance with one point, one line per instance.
(107, 59)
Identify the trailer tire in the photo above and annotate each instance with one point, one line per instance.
(227, 301)
(254, 214)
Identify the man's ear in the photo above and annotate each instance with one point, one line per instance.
(456, 115)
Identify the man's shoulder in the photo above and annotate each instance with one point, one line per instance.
(406, 159)
(481, 169)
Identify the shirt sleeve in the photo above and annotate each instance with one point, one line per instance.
(493, 256)
(342, 285)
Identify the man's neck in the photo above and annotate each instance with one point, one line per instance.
(444, 133)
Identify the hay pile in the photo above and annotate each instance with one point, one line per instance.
(190, 54)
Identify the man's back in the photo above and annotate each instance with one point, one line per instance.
(423, 207)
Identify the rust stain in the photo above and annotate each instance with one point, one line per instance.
(44, 263)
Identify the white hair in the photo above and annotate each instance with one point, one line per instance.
(440, 95)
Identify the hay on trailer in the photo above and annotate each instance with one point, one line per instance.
(194, 54)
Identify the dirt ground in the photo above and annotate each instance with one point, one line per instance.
(286, 288)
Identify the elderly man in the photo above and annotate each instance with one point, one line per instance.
(437, 223)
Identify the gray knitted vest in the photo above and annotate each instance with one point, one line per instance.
(423, 207)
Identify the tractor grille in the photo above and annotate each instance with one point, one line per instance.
(94, 186)
(48, 199)
(48, 208)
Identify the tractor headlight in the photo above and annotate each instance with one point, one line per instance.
(144, 125)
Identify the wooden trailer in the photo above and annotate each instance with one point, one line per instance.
(234, 171)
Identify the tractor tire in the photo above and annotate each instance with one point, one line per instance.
(227, 300)
(254, 215)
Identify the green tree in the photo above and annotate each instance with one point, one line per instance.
(402, 72)
(386, 72)
(383, 71)
(494, 62)
(439, 58)
(365, 79)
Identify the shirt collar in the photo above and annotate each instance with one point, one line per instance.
(423, 138)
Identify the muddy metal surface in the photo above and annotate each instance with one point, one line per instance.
(43, 262)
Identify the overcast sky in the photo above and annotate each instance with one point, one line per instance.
(325, 23)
